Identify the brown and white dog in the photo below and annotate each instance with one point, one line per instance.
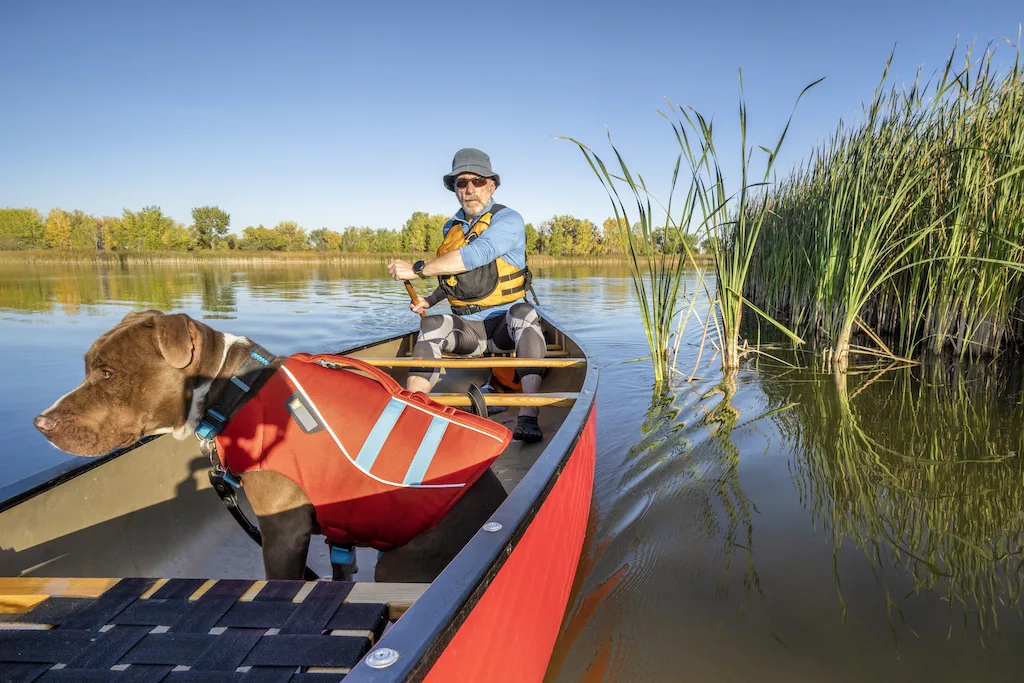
(156, 374)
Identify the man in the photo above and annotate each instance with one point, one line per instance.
(481, 270)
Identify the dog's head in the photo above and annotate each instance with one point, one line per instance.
(139, 378)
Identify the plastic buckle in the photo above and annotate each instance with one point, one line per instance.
(206, 430)
(342, 555)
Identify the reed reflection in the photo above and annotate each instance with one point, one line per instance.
(920, 468)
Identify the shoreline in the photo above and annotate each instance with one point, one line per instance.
(47, 256)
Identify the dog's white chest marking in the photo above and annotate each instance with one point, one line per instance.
(198, 405)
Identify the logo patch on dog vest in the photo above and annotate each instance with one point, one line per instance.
(296, 405)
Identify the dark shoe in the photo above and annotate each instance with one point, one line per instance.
(527, 430)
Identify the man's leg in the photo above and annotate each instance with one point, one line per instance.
(443, 334)
(522, 331)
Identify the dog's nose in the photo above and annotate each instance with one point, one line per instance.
(45, 424)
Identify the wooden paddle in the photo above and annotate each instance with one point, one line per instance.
(413, 296)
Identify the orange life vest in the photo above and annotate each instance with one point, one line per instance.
(380, 464)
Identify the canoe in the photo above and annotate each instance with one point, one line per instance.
(128, 567)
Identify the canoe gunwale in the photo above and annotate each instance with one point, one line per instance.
(430, 624)
(40, 482)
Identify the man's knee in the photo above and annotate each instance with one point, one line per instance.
(434, 327)
(524, 311)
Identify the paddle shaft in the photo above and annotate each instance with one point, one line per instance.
(413, 295)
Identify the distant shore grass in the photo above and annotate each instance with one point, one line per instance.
(86, 256)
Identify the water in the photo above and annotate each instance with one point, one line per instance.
(772, 525)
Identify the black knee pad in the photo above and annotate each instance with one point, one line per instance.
(431, 323)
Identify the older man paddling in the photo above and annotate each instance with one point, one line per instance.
(481, 271)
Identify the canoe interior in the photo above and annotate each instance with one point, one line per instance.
(150, 511)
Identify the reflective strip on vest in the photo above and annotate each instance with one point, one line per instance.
(374, 443)
(379, 434)
(426, 452)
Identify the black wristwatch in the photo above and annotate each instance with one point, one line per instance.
(418, 268)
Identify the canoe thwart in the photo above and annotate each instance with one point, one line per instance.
(478, 362)
(556, 399)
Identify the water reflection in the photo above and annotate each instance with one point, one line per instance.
(48, 287)
(920, 469)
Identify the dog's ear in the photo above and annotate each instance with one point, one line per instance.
(174, 335)
(139, 315)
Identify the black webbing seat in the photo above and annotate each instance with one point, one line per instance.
(276, 635)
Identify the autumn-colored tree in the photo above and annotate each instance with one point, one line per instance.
(614, 241)
(57, 230)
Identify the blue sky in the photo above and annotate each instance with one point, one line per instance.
(341, 113)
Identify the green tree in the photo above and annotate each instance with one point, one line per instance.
(294, 236)
(144, 230)
(208, 224)
(325, 239)
(177, 238)
(532, 239)
(260, 238)
(85, 231)
(386, 241)
(21, 229)
(423, 232)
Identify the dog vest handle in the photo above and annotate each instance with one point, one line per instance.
(384, 378)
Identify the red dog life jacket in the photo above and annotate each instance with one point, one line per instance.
(380, 464)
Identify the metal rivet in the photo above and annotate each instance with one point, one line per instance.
(382, 658)
(492, 526)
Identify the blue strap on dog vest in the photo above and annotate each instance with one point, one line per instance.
(217, 416)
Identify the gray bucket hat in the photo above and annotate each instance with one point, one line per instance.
(469, 160)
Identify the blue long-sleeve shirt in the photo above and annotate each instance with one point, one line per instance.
(505, 237)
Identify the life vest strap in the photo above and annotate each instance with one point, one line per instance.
(235, 392)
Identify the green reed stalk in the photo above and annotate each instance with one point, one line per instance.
(657, 276)
(733, 222)
(909, 224)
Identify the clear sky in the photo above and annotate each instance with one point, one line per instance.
(348, 113)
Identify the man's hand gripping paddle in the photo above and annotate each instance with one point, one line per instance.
(413, 296)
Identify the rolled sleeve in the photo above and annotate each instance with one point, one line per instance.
(505, 237)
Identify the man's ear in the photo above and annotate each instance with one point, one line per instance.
(174, 334)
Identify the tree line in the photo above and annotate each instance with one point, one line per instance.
(151, 230)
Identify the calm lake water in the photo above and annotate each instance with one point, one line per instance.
(773, 525)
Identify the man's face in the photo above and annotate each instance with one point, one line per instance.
(474, 192)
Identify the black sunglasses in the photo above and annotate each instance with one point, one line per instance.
(477, 182)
